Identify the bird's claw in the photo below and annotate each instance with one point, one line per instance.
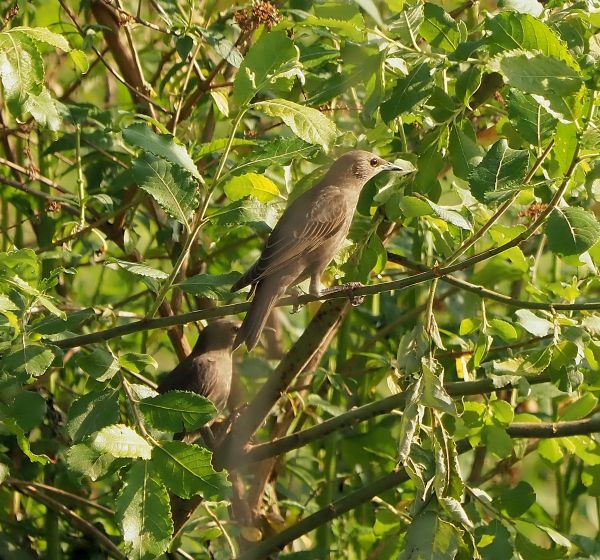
(350, 287)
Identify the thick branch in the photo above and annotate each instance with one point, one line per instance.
(363, 413)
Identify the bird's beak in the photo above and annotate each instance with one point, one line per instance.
(400, 166)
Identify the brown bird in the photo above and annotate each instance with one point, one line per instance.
(307, 237)
(207, 370)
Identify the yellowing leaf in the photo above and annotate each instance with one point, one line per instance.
(251, 184)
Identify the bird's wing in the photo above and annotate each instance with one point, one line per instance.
(306, 224)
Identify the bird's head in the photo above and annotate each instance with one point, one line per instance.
(217, 335)
(360, 166)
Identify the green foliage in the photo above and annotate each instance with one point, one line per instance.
(450, 415)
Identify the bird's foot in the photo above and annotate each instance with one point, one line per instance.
(296, 292)
(347, 289)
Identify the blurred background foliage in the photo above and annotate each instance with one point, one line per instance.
(147, 148)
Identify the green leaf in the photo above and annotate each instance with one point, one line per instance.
(143, 512)
(428, 538)
(510, 30)
(21, 69)
(91, 412)
(163, 145)
(280, 151)
(262, 62)
(28, 409)
(465, 152)
(171, 186)
(451, 216)
(434, 394)
(502, 169)
(80, 60)
(139, 269)
(100, 364)
(121, 441)
(497, 441)
(439, 29)
(549, 450)
(251, 184)
(178, 411)
(408, 92)
(552, 82)
(43, 109)
(533, 324)
(23, 441)
(212, 286)
(4, 473)
(571, 231)
(467, 84)
(405, 27)
(532, 121)
(306, 123)
(516, 501)
(352, 27)
(565, 145)
(137, 362)
(54, 325)
(494, 542)
(187, 470)
(504, 330)
(82, 459)
(32, 359)
(532, 7)
(371, 8)
(44, 35)
(579, 408)
(247, 211)
(502, 412)
(411, 418)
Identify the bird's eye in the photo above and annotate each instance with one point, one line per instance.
(374, 162)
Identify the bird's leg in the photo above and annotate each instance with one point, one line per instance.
(295, 291)
(347, 289)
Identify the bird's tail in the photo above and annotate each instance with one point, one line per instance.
(265, 297)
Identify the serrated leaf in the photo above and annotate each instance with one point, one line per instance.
(21, 69)
(170, 185)
(451, 216)
(121, 441)
(44, 35)
(91, 412)
(411, 418)
(280, 151)
(43, 109)
(552, 82)
(187, 470)
(439, 29)
(53, 325)
(32, 360)
(84, 460)
(137, 362)
(262, 62)
(80, 60)
(28, 409)
(502, 168)
(139, 269)
(465, 152)
(143, 512)
(308, 124)
(213, 286)
(531, 120)
(223, 47)
(571, 231)
(405, 27)
(352, 28)
(510, 30)
(408, 92)
(247, 211)
(178, 411)
(429, 537)
(163, 145)
(251, 184)
(434, 394)
(497, 441)
(99, 364)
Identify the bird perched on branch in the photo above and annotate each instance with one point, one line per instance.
(207, 370)
(307, 237)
